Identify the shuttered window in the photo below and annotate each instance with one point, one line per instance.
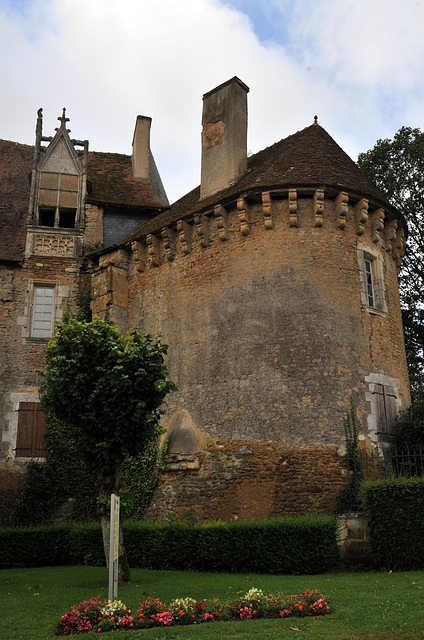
(385, 398)
(30, 441)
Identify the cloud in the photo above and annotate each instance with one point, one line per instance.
(357, 65)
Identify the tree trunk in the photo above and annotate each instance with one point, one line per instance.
(107, 486)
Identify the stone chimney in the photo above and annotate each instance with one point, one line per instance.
(224, 136)
(141, 149)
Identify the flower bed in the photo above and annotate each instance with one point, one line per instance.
(95, 615)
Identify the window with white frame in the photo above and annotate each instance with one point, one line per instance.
(372, 279)
(43, 311)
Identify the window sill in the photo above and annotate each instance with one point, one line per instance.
(40, 341)
(376, 312)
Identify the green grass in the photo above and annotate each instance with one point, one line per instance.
(374, 606)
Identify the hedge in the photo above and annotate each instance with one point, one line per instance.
(304, 545)
(395, 519)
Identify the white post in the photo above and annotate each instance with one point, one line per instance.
(113, 547)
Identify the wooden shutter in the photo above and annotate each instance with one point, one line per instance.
(30, 441)
(385, 398)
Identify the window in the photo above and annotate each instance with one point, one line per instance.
(30, 441)
(67, 218)
(385, 399)
(43, 311)
(60, 217)
(58, 200)
(369, 282)
(372, 279)
(46, 217)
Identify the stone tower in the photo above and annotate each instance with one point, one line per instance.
(274, 284)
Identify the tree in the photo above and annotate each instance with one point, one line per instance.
(107, 391)
(397, 168)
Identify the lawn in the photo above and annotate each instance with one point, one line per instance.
(365, 605)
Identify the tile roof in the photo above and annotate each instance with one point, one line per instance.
(110, 177)
(309, 158)
(15, 170)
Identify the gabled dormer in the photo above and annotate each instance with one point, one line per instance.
(58, 189)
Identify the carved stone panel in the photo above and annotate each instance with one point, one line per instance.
(54, 245)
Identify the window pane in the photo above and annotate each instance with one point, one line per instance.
(43, 311)
(369, 282)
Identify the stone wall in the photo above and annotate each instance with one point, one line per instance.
(248, 479)
(264, 310)
(22, 355)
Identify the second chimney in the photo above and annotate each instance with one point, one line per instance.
(224, 136)
(141, 148)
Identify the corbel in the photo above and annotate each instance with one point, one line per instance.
(201, 224)
(361, 215)
(377, 225)
(184, 234)
(153, 249)
(220, 214)
(242, 208)
(342, 209)
(168, 237)
(390, 229)
(137, 252)
(293, 215)
(398, 250)
(318, 202)
(267, 209)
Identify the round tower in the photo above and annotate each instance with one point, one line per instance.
(276, 291)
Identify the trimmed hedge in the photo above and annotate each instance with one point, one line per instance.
(395, 516)
(304, 545)
(34, 546)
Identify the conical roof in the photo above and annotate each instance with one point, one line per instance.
(310, 158)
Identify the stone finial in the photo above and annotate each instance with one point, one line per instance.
(63, 120)
(315, 119)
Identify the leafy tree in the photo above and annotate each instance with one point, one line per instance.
(107, 391)
(407, 448)
(397, 168)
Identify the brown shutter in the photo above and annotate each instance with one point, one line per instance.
(385, 400)
(391, 410)
(31, 427)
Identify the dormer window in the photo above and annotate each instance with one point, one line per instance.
(58, 184)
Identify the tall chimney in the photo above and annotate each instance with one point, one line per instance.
(224, 136)
(141, 149)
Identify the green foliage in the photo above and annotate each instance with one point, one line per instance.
(140, 475)
(409, 426)
(395, 516)
(407, 448)
(11, 479)
(348, 497)
(85, 544)
(34, 546)
(397, 168)
(107, 389)
(49, 484)
(305, 544)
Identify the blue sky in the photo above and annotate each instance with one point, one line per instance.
(357, 64)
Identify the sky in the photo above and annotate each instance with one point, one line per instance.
(356, 64)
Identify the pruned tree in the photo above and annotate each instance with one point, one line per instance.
(397, 168)
(107, 390)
